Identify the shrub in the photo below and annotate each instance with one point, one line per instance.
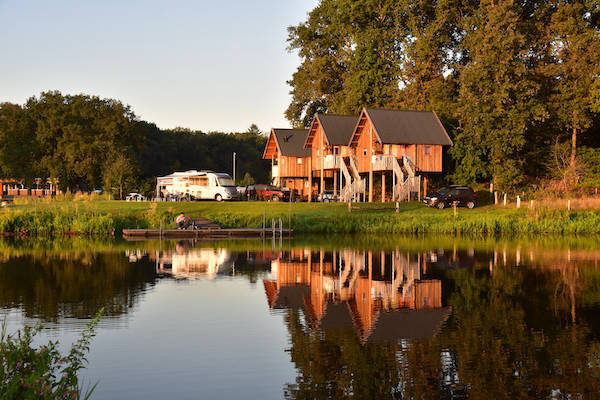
(27, 372)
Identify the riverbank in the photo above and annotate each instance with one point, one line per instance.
(102, 217)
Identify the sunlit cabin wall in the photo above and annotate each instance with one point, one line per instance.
(293, 273)
(363, 150)
(427, 158)
(428, 294)
(320, 148)
(293, 167)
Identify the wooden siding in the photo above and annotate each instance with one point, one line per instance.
(428, 294)
(289, 167)
(301, 185)
(320, 149)
(431, 162)
(362, 147)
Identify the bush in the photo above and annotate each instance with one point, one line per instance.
(27, 372)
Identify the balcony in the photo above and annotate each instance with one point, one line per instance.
(332, 162)
(383, 162)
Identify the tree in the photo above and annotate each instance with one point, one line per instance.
(498, 95)
(573, 52)
(119, 172)
(19, 148)
(253, 130)
(247, 180)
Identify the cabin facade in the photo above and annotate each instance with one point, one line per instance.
(290, 161)
(328, 140)
(398, 145)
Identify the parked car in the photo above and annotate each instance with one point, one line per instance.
(327, 196)
(134, 197)
(446, 196)
(264, 192)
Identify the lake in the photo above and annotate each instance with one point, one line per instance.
(318, 317)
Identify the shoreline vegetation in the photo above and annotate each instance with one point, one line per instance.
(104, 217)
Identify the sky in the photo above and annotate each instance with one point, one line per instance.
(217, 65)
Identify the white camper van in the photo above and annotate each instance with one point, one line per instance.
(197, 185)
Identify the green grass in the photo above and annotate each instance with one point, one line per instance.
(106, 217)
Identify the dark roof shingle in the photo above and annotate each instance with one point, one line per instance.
(291, 142)
(408, 127)
(338, 128)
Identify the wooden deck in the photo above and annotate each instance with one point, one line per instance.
(202, 233)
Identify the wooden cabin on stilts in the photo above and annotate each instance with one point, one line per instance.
(399, 146)
(333, 163)
(290, 161)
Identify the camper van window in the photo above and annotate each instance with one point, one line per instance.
(200, 181)
(225, 181)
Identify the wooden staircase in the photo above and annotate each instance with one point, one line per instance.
(354, 184)
(406, 180)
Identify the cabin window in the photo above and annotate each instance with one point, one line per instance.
(336, 150)
(275, 161)
(427, 150)
(299, 161)
(365, 152)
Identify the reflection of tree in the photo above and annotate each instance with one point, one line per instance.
(505, 340)
(75, 286)
(336, 365)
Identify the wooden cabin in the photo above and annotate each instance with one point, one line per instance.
(290, 160)
(328, 139)
(398, 144)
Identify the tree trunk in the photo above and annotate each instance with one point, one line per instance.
(120, 192)
(573, 145)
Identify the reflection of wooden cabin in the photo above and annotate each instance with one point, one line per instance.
(290, 161)
(328, 139)
(399, 145)
(368, 286)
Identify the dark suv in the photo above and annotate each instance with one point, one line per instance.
(446, 196)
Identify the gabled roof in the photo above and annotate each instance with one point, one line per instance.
(409, 324)
(338, 129)
(406, 127)
(290, 142)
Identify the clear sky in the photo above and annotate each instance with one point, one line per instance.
(207, 65)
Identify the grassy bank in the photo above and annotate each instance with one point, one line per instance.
(103, 217)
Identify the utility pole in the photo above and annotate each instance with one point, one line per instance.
(234, 168)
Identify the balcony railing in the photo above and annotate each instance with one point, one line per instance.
(332, 162)
(382, 162)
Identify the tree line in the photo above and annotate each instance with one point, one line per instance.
(516, 83)
(91, 143)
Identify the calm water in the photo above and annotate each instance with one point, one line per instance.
(331, 317)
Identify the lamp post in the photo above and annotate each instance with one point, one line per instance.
(234, 168)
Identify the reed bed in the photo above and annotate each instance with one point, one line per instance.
(110, 217)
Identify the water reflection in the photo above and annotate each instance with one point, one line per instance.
(73, 285)
(187, 262)
(402, 318)
(514, 322)
(379, 295)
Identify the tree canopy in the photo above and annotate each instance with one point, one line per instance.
(508, 79)
(88, 142)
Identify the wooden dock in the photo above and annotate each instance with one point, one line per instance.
(133, 234)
